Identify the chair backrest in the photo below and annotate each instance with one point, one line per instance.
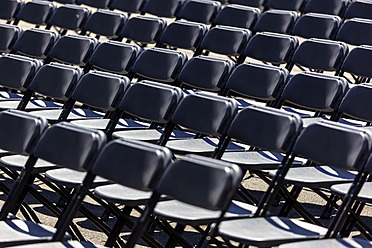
(73, 49)
(271, 48)
(70, 146)
(36, 12)
(105, 22)
(101, 90)
(162, 8)
(277, 21)
(56, 80)
(205, 73)
(35, 43)
(9, 9)
(69, 17)
(257, 81)
(182, 34)
(129, 6)
(296, 5)
(319, 54)
(114, 56)
(236, 15)
(266, 128)
(251, 3)
(8, 36)
(16, 72)
(359, 9)
(159, 64)
(202, 11)
(314, 25)
(143, 29)
(151, 101)
(358, 62)
(132, 163)
(334, 144)
(201, 181)
(356, 32)
(314, 91)
(101, 4)
(225, 40)
(331, 7)
(20, 131)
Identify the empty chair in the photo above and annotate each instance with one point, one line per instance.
(72, 49)
(8, 36)
(277, 21)
(36, 12)
(270, 48)
(251, 3)
(158, 64)
(236, 15)
(162, 8)
(113, 56)
(99, 4)
(330, 7)
(182, 34)
(9, 8)
(35, 43)
(313, 25)
(69, 17)
(356, 32)
(142, 29)
(224, 40)
(104, 23)
(319, 55)
(296, 5)
(129, 6)
(359, 9)
(202, 11)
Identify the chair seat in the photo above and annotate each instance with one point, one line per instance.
(32, 105)
(17, 162)
(70, 244)
(180, 212)
(7, 96)
(16, 232)
(257, 160)
(150, 135)
(120, 194)
(76, 114)
(317, 176)
(330, 243)
(243, 103)
(301, 112)
(71, 178)
(270, 231)
(201, 146)
(365, 194)
(307, 121)
(101, 124)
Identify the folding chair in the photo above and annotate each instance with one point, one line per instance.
(8, 36)
(314, 25)
(99, 4)
(236, 15)
(35, 12)
(182, 34)
(296, 5)
(229, 41)
(203, 11)
(113, 56)
(104, 23)
(357, 63)
(356, 32)
(324, 143)
(328, 243)
(194, 181)
(161, 8)
(68, 17)
(332, 7)
(129, 6)
(358, 9)
(251, 3)
(158, 64)
(142, 29)
(9, 9)
(277, 21)
(319, 55)
(270, 48)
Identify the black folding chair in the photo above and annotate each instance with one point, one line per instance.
(162, 8)
(129, 6)
(199, 11)
(99, 4)
(276, 21)
(358, 9)
(236, 15)
(35, 12)
(356, 32)
(296, 5)
(8, 36)
(251, 3)
(331, 7)
(9, 9)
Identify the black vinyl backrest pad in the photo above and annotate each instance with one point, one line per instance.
(19, 131)
(163, 8)
(134, 164)
(105, 22)
(334, 144)
(102, 4)
(331, 7)
(9, 34)
(151, 101)
(237, 16)
(8, 9)
(200, 181)
(70, 146)
(36, 12)
(101, 90)
(69, 16)
(276, 21)
(199, 10)
(356, 32)
(205, 114)
(285, 4)
(357, 60)
(129, 6)
(265, 128)
(360, 9)
(257, 80)
(315, 91)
